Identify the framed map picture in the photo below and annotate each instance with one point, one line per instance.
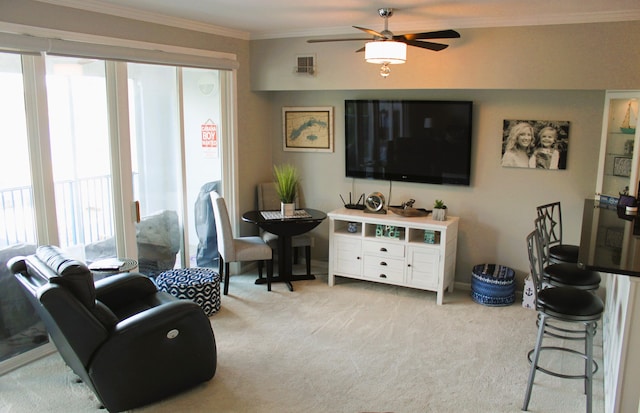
(308, 129)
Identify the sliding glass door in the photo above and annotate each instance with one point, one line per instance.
(175, 128)
(204, 145)
(81, 159)
(85, 142)
(156, 148)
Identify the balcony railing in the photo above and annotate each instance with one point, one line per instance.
(17, 224)
(84, 208)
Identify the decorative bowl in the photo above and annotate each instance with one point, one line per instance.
(409, 212)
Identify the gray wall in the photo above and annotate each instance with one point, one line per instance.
(497, 210)
(540, 72)
(543, 72)
(564, 57)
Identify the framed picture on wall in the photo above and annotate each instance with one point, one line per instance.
(621, 166)
(307, 129)
(537, 144)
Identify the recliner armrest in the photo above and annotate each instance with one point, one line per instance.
(122, 289)
(180, 338)
(152, 319)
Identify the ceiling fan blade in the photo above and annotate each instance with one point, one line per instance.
(425, 45)
(371, 32)
(441, 34)
(337, 40)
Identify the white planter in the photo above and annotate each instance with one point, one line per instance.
(287, 210)
(439, 214)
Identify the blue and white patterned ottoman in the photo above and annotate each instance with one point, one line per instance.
(201, 285)
(493, 285)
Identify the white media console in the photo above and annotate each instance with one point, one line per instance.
(392, 249)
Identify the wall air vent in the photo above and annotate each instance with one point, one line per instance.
(305, 65)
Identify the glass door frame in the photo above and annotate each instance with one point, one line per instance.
(122, 174)
(33, 69)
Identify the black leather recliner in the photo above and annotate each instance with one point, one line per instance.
(130, 343)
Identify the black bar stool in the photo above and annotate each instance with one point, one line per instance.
(565, 304)
(558, 252)
(562, 274)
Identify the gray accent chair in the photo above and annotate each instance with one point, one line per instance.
(237, 249)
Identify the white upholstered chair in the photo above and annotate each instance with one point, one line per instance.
(268, 201)
(237, 249)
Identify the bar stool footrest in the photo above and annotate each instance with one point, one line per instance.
(562, 375)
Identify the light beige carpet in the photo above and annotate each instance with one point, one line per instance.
(355, 347)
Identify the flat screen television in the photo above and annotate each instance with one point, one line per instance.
(409, 140)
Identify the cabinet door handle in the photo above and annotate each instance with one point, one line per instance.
(357, 258)
(383, 276)
(408, 265)
(383, 249)
(384, 264)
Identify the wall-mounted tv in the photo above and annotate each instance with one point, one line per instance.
(409, 140)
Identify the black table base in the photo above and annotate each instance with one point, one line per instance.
(287, 280)
(285, 228)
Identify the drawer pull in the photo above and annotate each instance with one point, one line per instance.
(384, 264)
(383, 276)
(383, 249)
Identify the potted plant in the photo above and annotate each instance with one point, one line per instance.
(286, 184)
(439, 210)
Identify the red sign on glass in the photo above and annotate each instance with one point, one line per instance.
(209, 131)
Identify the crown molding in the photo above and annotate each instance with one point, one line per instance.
(433, 24)
(42, 33)
(149, 17)
(466, 23)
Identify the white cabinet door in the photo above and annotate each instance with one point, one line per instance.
(347, 255)
(423, 267)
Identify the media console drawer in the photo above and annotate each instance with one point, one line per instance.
(391, 269)
(409, 258)
(383, 248)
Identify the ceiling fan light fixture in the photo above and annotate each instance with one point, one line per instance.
(385, 52)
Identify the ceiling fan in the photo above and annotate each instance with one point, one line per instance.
(411, 39)
(386, 48)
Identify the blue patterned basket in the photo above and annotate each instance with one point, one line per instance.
(201, 285)
(493, 285)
